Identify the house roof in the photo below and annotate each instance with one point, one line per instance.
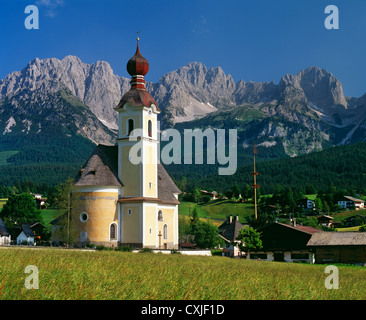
(230, 231)
(353, 199)
(337, 239)
(4, 232)
(26, 228)
(305, 229)
(101, 169)
(326, 217)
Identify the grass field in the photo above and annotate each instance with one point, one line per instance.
(219, 209)
(76, 275)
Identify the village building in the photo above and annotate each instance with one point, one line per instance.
(212, 194)
(282, 242)
(339, 247)
(26, 235)
(122, 196)
(229, 231)
(325, 220)
(5, 236)
(351, 202)
(306, 204)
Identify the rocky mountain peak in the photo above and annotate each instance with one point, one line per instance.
(321, 89)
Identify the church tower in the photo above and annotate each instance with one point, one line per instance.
(138, 134)
(123, 195)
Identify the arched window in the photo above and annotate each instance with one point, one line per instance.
(130, 126)
(160, 215)
(113, 231)
(165, 232)
(149, 128)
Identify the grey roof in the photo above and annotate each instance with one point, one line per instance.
(101, 169)
(230, 231)
(353, 199)
(4, 232)
(338, 239)
(166, 186)
(26, 228)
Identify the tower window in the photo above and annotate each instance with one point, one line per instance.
(160, 215)
(113, 231)
(130, 126)
(149, 128)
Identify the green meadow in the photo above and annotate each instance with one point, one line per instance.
(78, 275)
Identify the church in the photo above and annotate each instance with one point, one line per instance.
(117, 201)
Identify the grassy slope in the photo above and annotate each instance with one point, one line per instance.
(120, 275)
(219, 209)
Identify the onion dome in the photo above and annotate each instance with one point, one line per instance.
(137, 65)
(137, 96)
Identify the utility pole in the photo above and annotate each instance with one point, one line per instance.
(68, 218)
(255, 185)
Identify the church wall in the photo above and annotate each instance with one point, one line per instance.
(101, 210)
(130, 173)
(131, 228)
(150, 223)
(150, 170)
(170, 219)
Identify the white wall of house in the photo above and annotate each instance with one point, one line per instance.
(24, 238)
(289, 256)
(5, 240)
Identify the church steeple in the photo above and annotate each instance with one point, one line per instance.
(137, 67)
(137, 96)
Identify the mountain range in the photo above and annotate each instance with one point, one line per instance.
(67, 105)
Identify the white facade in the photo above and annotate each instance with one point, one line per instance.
(289, 256)
(5, 240)
(23, 238)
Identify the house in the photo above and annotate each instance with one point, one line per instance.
(118, 197)
(355, 220)
(325, 220)
(5, 236)
(338, 247)
(39, 200)
(351, 202)
(283, 242)
(306, 204)
(229, 231)
(212, 195)
(26, 235)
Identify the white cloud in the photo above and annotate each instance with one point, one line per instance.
(50, 6)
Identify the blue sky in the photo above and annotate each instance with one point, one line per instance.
(251, 40)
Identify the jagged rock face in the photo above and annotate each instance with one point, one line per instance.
(94, 84)
(304, 110)
(317, 87)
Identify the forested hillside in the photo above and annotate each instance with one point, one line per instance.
(344, 166)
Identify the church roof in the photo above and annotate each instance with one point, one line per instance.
(101, 169)
(138, 98)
